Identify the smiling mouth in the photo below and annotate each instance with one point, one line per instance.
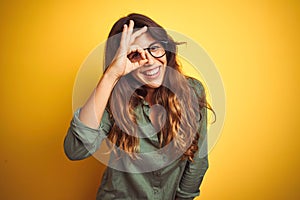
(152, 73)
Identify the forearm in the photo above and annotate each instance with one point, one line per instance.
(192, 178)
(82, 141)
(91, 123)
(74, 147)
(194, 171)
(92, 111)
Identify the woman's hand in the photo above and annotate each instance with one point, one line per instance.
(121, 65)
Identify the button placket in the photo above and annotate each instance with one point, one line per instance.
(156, 193)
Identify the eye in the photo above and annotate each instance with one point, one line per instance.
(155, 48)
(134, 56)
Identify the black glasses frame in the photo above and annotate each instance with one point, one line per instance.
(162, 42)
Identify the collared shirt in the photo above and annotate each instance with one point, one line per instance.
(166, 178)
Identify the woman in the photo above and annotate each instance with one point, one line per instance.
(153, 117)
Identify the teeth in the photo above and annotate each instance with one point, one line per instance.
(151, 72)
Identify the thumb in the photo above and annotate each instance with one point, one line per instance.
(143, 61)
(139, 64)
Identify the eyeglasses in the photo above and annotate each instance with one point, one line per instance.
(156, 49)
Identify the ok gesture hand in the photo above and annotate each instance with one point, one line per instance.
(121, 65)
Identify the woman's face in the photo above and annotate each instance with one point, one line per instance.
(152, 73)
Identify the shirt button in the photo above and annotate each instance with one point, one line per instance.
(157, 173)
(155, 190)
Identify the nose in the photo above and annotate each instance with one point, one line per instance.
(149, 58)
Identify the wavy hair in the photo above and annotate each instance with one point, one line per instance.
(182, 112)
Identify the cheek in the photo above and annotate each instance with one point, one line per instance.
(164, 61)
(136, 75)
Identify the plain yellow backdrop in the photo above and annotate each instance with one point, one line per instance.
(254, 44)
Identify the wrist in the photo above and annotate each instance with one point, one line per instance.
(110, 77)
(113, 71)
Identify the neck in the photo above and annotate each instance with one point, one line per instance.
(149, 96)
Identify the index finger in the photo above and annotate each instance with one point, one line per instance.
(138, 33)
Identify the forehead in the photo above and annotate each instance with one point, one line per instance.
(144, 40)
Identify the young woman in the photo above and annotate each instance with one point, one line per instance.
(153, 116)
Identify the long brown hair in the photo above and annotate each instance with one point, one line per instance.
(182, 113)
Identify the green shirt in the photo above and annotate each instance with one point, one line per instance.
(179, 178)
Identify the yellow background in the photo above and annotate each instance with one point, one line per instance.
(255, 45)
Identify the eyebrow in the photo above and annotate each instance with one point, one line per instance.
(157, 41)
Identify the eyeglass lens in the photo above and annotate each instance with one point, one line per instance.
(156, 50)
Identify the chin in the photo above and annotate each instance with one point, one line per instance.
(153, 85)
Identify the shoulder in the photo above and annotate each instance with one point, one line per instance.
(196, 85)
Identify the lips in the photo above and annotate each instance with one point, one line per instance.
(151, 73)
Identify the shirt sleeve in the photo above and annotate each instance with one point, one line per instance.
(194, 171)
(82, 141)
